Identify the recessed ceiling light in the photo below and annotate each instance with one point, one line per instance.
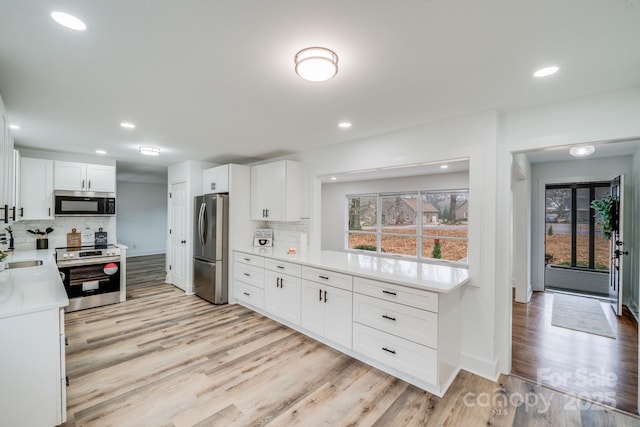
(68, 21)
(15, 127)
(444, 166)
(333, 178)
(148, 150)
(547, 71)
(582, 151)
(101, 152)
(128, 125)
(316, 64)
(344, 125)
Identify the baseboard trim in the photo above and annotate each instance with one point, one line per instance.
(481, 367)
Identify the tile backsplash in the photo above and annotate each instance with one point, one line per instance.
(61, 226)
(288, 232)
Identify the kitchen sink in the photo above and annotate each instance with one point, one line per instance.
(27, 263)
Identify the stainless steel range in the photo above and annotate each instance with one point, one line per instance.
(91, 275)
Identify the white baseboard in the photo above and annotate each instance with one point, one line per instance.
(481, 367)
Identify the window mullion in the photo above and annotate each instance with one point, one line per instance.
(379, 223)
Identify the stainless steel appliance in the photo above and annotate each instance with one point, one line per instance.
(210, 247)
(91, 275)
(76, 203)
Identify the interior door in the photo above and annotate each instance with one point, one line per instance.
(617, 251)
(178, 234)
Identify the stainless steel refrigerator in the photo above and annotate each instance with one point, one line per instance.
(210, 247)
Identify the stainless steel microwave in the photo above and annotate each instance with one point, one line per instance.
(76, 203)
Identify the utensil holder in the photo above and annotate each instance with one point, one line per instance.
(42, 243)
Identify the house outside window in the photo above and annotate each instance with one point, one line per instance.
(429, 225)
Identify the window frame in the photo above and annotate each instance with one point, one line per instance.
(419, 228)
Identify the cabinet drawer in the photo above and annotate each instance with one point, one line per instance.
(283, 267)
(419, 326)
(249, 274)
(245, 258)
(339, 280)
(249, 294)
(397, 353)
(417, 298)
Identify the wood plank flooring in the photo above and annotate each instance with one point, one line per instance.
(587, 365)
(166, 359)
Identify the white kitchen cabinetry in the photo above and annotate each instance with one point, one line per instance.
(410, 333)
(7, 177)
(282, 290)
(276, 191)
(327, 309)
(73, 176)
(215, 180)
(33, 369)
(248, 279)
(36, 189)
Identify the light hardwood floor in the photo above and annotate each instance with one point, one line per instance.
(589, 365)
(166, 359)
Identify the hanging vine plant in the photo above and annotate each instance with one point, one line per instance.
(604, 214)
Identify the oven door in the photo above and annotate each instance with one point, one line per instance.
(91, 279)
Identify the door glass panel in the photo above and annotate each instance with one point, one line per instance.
(583, 213)
(558, 226)
(601, 246)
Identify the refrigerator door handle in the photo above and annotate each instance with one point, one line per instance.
(201, 223)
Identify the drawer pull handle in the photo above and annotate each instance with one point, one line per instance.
(247, 259)
(389, 317)
(389, 292)
(247, 274)
(247, 294)
(280, 266)
(324, 277)
(388, 350)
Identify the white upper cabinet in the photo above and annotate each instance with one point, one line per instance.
(276, 191)
(73, 176)
(7, 179)
(215, 180)
(36, 189)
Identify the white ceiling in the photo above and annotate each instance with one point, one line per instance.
(214, 80)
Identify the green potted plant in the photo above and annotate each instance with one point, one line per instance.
(604, 214)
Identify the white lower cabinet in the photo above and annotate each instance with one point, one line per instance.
(327, 311)
(282, 296)
(32, 369)
(248, 279)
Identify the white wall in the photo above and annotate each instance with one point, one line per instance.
(334, 205)
(634, 182)
(142, 217)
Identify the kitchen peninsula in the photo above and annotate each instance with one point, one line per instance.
(397, 315)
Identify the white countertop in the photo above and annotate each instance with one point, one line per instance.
(30, 289)
(431, 277)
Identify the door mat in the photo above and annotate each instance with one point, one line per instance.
(580, 314)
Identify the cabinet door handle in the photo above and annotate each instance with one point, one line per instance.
(83, 183)
(320, 295)
(49, 211)
(389, 317)
(89, 186)
(325, 296)
(13, 217)
(22, 212)
(389, 292)
(324, 277)
(267, 211)
(213, 185)
(247, 294)
(247, 259)
(6, 214)
(389, 350)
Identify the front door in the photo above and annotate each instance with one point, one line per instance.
(617, 251)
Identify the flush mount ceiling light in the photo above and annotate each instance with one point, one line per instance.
(547, 71)
(316, 64)
(68, 21)
(148, 150)
(101, 152)
(582, 151)
(344, 125)
(15, 127)
(127, 125)
(444, 166)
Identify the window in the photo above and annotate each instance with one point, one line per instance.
(423, 225)
(571, 237)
